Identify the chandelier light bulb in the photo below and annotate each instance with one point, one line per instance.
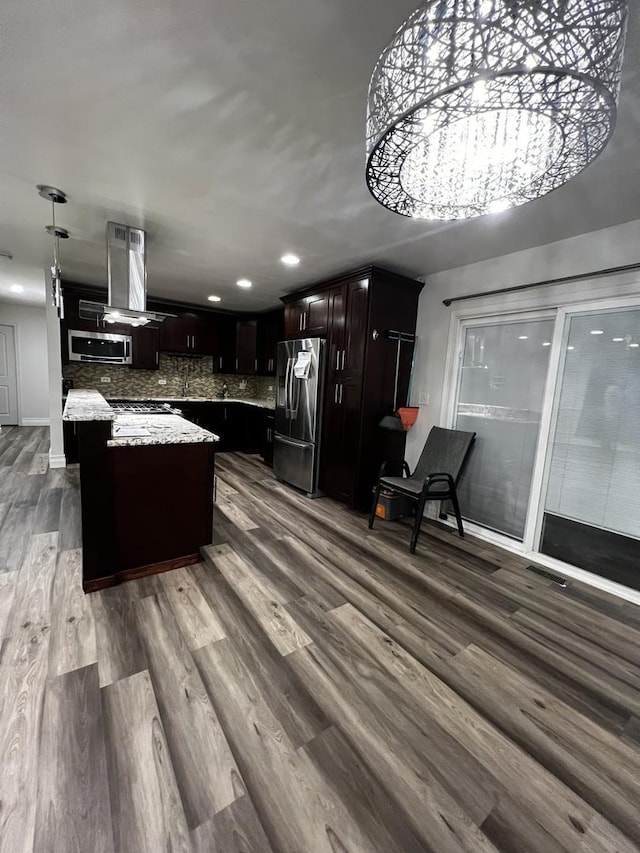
(476, 107)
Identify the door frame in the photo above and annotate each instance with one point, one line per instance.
(602, 296)
(16, 361)
(542, 466)
(448, 414)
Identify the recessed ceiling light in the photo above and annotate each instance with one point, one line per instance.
(634, 346)
(523, 337)
(617, 340)
(213, 298)
(570, 348)
(16, 288)
(290, 260)
(597, 331)
(546, 344)
(243, 282)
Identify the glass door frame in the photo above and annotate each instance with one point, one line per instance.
(449, 407)
(535, 517)
(562, 314)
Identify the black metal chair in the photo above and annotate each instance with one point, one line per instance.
(434, 479)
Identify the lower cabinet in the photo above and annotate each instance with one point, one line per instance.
(240, 426)
(269, 426)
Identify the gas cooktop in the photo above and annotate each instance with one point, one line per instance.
(145, 409)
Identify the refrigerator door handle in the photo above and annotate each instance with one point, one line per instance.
(287, 404)
(286, 440)
(292, 379)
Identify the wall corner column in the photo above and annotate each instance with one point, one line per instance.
(56, 442)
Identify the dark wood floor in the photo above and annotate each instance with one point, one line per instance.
(309, 686)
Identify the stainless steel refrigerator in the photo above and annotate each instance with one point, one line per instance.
(299, 389)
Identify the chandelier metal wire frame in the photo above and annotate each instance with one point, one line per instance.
(480, 105)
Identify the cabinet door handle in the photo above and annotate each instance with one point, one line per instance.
(236, 363)
(255, 365)
(187, 341)
(193, 341)
(341, 389)
(343, 357)
(335, 394)
(305, 320)
(220, 362)
(157, 358)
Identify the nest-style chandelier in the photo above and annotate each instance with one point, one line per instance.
(476, 106)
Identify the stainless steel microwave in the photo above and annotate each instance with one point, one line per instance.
(99, 347)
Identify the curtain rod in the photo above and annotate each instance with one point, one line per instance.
(563, 280)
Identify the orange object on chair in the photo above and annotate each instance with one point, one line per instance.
(408, 416)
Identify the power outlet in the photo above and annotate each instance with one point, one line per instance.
(105, 379)
(423, 398)
(162, 381)
(242, 386)
(269, 387)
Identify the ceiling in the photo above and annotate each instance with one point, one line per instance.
(233, 131)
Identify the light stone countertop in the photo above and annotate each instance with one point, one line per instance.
(89, 405)
(86, 404)
(161, 429)
(263, 404)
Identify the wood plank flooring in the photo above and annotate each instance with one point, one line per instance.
(309, 687)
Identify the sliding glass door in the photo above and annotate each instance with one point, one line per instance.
(500, 393)
(591, 492)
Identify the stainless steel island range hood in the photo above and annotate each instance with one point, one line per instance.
(127, 276)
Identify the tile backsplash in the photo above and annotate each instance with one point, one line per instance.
(175, 370)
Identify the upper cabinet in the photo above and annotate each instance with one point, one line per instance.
(307, 316)
(145, 353)
(270, 331)
(246, 346)
(190, 332)
(237, 342)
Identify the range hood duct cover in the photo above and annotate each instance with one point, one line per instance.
(127, 279)
(126, 267)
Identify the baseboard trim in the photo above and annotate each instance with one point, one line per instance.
(57, 460)
(35, 422)
(95, 584)
(566, 569)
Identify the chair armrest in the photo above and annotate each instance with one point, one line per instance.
(439, 477)
(393, 468)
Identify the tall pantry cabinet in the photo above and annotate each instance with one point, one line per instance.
(358, 311)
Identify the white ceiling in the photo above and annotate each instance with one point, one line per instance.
(233, 131)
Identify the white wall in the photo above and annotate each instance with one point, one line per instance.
(610, 247)
(31, 345)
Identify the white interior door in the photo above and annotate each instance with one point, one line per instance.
(8, 379)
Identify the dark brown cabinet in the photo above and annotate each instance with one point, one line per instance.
(189, 333)
(224, 356)
(270, 331)
(246, 347)
(356, 312)
(293, 312)
(238, 343)
(307, 317)
(145, 349)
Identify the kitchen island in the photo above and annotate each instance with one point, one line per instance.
(146, 486)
